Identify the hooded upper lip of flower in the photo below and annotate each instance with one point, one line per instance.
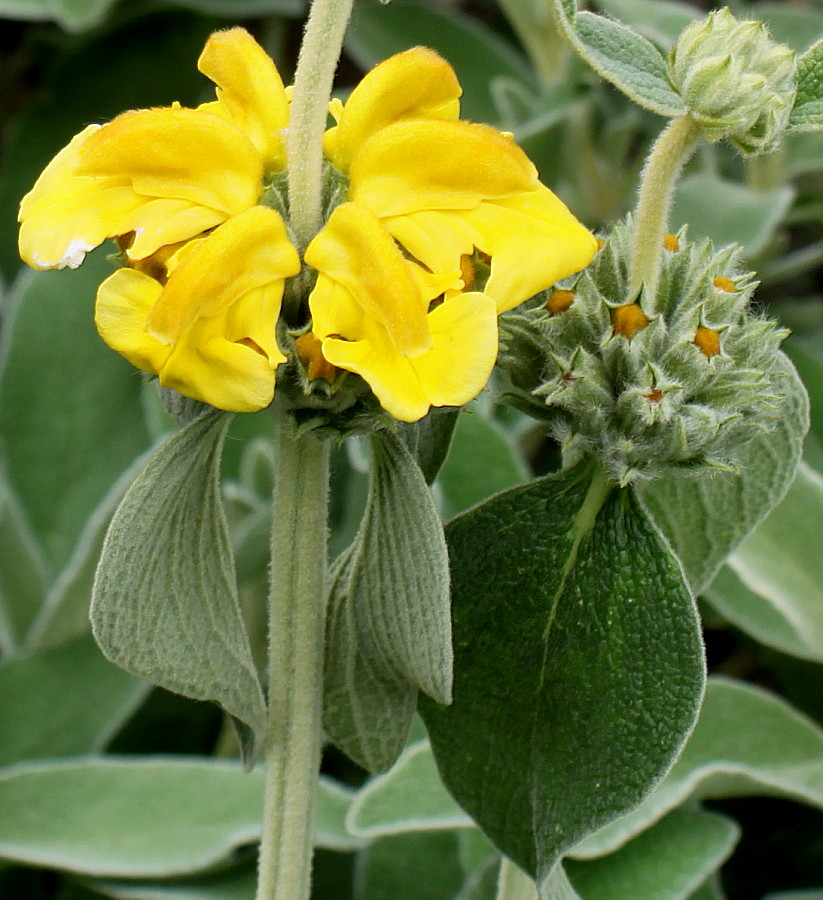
(425, 193)
(166, 174)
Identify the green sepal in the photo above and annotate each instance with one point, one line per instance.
(578, 664)
(389, 627)
(807, 113)
(165, 603)
(622, 57)
(430, 439)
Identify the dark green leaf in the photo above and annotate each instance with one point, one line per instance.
(578, 664)
(429, 440)
(807, 114)
(747, 742)
(165, 602)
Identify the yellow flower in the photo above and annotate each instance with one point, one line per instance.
(209, 332)
(164, 174)
(443, 225)
(426, 192)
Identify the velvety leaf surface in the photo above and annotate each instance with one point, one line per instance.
(24, 573)
(389, 628)
(705, 519)
(62, 702)
(578, 665)
(729, 212)
(746, 742)
(621, 56)
(807, 114)
(666, 862)
(147, 818)
(165, 603)
(659, 20)
(409, 797)
(482, 462)
(772, 587)
(70, 419)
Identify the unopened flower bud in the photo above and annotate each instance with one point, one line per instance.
(736, 82)
(649, 392)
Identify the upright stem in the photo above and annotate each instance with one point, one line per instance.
(514, 884)
(316, 65)
(296, 636)
(667, 157)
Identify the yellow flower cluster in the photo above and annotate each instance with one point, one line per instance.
(425, 193)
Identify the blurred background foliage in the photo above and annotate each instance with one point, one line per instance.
(109, 788)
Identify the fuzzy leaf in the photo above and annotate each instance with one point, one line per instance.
(659, 20)
(430, 439)
(389, 628)
(62, 702)
(705, 519)
(666, 862)
(747, 742)
(157, 818)
(165, 603)
(578, 665)
(773, 588)
(622, 57)
(807, 114)
(23, 571)
(409, 797)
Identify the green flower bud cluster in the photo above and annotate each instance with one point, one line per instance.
(648, 392)
(736, 82)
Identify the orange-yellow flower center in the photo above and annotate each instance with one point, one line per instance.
(724, 284)
(629, 319)
(670, 243)
(560, 301)
(310, 351)
(708, 340)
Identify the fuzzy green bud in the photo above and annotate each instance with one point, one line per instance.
(737, 83)
(648, 392)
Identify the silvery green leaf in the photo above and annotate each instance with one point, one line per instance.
(706, 518)
(771, 587)
(165, 603)
(389, 623)
(64, 614)
(23, 570)
(666, 862)
(121, 817)
(622, 57)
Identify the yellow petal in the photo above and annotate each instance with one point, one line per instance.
(212, 362)
(452, 372)
(533, 241)
(248, 252)
(250, 92)
(356, 252)
(415, 84)
(124, 301)
(180, 154)
(64, 216)
(433, 164)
